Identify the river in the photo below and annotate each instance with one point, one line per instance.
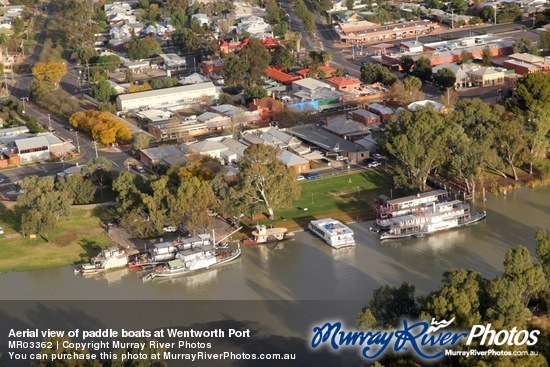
(279, 294)
(308, 269)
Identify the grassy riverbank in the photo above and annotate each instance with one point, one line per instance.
(347, 197)
(74, 240)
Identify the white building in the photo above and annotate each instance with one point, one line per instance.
(166, 97)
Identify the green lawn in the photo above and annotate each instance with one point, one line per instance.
(73, 240)
(348, 197)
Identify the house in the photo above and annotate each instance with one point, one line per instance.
(345, 128)
(266, 107)
(235, 146)
(167, 96)
(212, 67)
(117, 87)
(459, 71)
(384, 112)
(364, 116)
(485, 77)
(330, 143)
(309, 84)
(294, 161)
(344, 84)
(194, 78)
(173, 61)
(14, 131)
(526, 64)
(323, 69)
(415, 106)
(276, 74)
(211, 148)
(214, 121)
(246, 11)
(153, 157)
(201, 18)
(412, 47)
(153, 115)
(363, 32)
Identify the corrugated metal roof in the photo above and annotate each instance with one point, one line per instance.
(165, 91)
(31, 143)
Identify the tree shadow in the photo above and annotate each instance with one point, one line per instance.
(91, 248)
(11, 216)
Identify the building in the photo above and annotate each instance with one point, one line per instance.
(364, 32)
(527, 64)
(415, 106)
(459, 71)
(14, 131)
(487, 77)
(267, 108)
(364, 116)
(412, 47)
(384, 112)
(344, 84)
(173, 61)
(345, 128)
(166, 97)
(211, 148)
(276, 74)
(212, 67)
(153, 157)
(294, 161)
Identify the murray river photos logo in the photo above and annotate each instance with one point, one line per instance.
(428, 341)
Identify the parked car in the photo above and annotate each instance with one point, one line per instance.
(374, 164)
(311, 176)
(300, 178)
(341, 158)
(139, 169)
(368, 160)
(170, 229)
(377, 156)
(1, 230)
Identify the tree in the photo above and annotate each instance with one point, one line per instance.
(234, 71)
(486, 56)
(459, 297)
(423, 68)
(266, 179)
(85, 53)
(533, 91)
(487, 14)
(98, 170)
(103, 91)
(256, 59)
(445, 78)
(504, 305)
(197, 199)
(464, 57)
(542, 251)
(389, 305)
(459, 6)
(143, 48)
(376, 73)
(255, 92)
(537, 137)
(406, 62)
(523, 45)
(544, 40)
(51, 71)
(102, 126)
(79, 189)
(109, 62)
(283, 57)
(41, 205)
(349, 4)
(418, 140)
(412, 84)
(365, 320)
(511, 142)
(519, 268)
(141, 141)
(225, 98)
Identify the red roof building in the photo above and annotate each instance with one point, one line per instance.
(343, 84)
(328, 70)
(212, 67)
(227, 47)
(276, 74)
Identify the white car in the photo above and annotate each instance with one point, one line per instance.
(300, 178)
(1, 230)
(377, 156)
(170, 229)
(341, 158)
(374, 164)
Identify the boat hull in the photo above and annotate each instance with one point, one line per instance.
(391, 236)
(182, 271)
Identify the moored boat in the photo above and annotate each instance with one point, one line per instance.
(262, 234)
(332, 232)
(438, 217)
(109, 258)
(194, 259)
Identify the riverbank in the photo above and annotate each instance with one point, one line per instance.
(74, 239)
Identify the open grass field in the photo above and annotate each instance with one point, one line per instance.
(74, 240)
(347, 197)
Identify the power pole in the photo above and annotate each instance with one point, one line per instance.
(95, 146)
(49, 122)
(77, 142)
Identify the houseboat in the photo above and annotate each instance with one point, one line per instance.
(439, 217)
(332, 232)
(194, 259)
(109, 258)
(388, 208)
(262, 234)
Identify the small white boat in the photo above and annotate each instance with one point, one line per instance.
(333, 232)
